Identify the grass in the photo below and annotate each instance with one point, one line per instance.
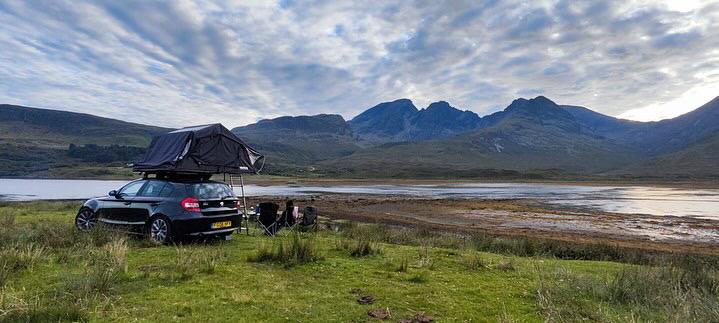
(289, 251)
(54, 273)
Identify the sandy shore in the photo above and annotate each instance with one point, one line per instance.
(529, 218)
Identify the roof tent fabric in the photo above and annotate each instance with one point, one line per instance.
(208, 149)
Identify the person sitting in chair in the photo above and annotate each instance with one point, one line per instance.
(288, 216)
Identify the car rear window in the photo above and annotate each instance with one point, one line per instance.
(210, 191)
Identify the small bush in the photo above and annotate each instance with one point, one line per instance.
(290, 251)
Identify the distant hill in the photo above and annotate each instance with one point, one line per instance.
(399, 121)
(57, 129)
(698, 160)
(654, 138)
(35, 141)
(295, 143)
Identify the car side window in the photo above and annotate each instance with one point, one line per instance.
(131, 189)
(153, 189)
(167, 190)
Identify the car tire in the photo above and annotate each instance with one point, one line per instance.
(159, 230)
(86, 219)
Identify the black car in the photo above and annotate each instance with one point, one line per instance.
(165, 209)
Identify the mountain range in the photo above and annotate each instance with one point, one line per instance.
(529, 138)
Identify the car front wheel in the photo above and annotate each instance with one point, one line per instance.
(159, 230)
(85, 220)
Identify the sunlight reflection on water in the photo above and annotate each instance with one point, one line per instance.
(621, 199)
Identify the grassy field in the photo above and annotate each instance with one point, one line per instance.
(51, 272)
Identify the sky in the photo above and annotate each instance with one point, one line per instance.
(180, 63)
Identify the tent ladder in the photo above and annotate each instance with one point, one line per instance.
(245, 216)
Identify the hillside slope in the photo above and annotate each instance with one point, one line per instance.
(57, 129)
(298, 142)
(699, 160)
(34, 142)
(654, 138)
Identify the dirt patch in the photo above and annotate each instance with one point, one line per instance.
(365, 300)
(418, 318)
(381, 313)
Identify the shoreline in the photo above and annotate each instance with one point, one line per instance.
(524, 218)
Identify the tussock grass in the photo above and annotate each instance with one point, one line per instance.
(425, 257)
(474, 261)
(359, 247)
(686, 290)
(506, 245)
(403, 266)
(104, 267)
(296, 249)
(505, 265)
(18, 258)
(191, 261)
(14, 308)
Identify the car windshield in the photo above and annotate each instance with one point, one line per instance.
(206, 191)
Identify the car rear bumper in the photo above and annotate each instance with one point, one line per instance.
(197, 226)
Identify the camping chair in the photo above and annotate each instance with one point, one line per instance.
(268, 217)
(288, 219)
(309, 218)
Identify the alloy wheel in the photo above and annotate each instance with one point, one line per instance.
(85, 220)
(159, 230)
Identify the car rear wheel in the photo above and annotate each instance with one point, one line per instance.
(85, 220)
(159, 230)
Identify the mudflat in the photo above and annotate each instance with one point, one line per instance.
(522, 217)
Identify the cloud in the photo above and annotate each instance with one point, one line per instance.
(175, 63)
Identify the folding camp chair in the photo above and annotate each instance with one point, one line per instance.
(267, 219)
(309, 218)
(288, 219)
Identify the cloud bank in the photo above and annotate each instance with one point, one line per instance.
(176, 63)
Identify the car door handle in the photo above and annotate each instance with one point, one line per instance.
(155, 204)
(127, 203)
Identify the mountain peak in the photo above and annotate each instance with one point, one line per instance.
(396, 107)
(536, 103)
(321, 123)
(439, 105)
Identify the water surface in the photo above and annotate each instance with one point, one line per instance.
(702, 203)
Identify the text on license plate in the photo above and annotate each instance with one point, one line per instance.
(223, 224)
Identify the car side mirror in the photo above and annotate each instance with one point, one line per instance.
(113, 193)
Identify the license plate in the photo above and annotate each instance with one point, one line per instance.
(223, 224)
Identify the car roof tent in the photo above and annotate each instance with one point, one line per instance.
(207, 149)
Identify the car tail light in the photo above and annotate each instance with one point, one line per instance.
(190, 204)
